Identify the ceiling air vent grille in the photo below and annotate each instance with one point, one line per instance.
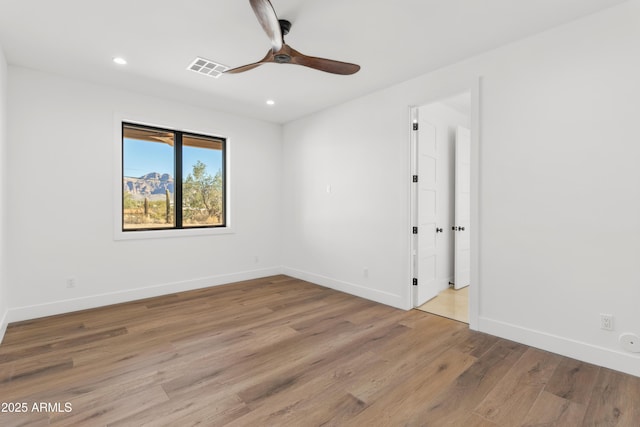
(207, 67)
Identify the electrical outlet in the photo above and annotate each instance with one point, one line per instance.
(72, 282)
(606, 322)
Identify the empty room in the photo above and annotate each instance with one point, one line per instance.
(239, 212)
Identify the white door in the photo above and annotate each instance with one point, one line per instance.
(427, 197)
(462, 261)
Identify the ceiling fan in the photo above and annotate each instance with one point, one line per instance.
(280, 52)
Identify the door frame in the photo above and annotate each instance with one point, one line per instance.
(474, 88)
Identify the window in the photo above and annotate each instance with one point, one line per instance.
(171, 179)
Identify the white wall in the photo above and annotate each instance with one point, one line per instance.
(61, 205)
(331, 238)
(4, 294)
(446, 120)
(559, 198)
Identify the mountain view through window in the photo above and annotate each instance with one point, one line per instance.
(171, 179)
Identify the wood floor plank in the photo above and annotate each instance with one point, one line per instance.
(279, 351)
(478, 344)
(615, 401)
(92, 338)
(348, 372)
(398, 408)
(103, 410)
(402, 359)
(475, 420)
(573, 380)
(23, 334)
(554, 411)
(453, 405)
(298, 363)
(317, 397)
(33, 367)
(512, 398)
(217, 408)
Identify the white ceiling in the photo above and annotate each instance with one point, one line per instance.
(392, 41)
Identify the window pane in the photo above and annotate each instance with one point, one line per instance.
(147, 178)
(203, 182)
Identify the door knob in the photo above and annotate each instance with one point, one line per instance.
(438, 230)
(460, 228)
(454, 228)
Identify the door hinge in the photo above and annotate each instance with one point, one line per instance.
(415, 126)
(415, 178)
(415, 281)
(415, 230)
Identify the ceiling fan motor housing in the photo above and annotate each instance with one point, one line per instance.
(285, 26)
(282, 58)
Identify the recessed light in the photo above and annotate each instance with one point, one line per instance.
(271, 102)
(120, 61)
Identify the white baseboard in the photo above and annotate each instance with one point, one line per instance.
(350, 288)
(617, 360)
(93, 301)
(4, 322)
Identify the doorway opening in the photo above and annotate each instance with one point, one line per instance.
(450, 303)
(441, 197)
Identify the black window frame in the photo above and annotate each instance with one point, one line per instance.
(178, 178)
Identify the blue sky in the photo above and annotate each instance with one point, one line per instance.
(143, 157)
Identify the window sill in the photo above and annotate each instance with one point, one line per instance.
(164, 234)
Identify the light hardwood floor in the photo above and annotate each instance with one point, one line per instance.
(450, 303)
(280, 351)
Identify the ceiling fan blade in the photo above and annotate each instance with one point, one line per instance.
(322, 64)
(243, 68)
(269, 20)
(268, 58)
